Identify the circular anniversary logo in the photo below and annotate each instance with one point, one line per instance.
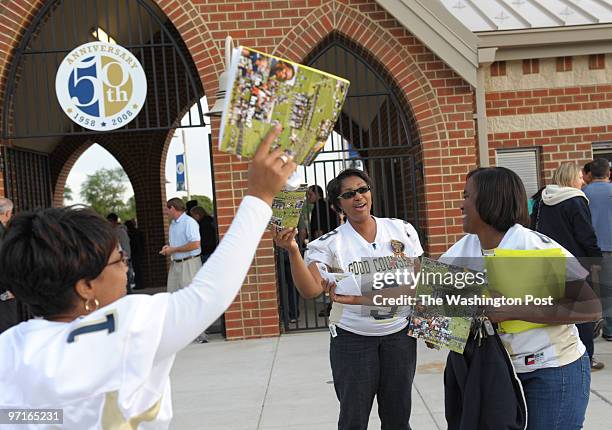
(101, 86)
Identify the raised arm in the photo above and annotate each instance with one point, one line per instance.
(215, 286)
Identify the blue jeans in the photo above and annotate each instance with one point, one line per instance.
(557, 397)
(368, 366)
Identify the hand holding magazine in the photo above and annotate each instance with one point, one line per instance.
(287, 207)
(264, 90)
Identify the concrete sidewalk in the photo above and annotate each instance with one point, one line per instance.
(285, 383)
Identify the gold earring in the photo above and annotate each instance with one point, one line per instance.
(88, 307)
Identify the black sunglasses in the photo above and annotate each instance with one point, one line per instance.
(123, 258)
(350, 194)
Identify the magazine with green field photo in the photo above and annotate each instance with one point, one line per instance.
(445, 304)
(264, 90)
(287, 207)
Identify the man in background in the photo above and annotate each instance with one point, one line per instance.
(124, 242)
(137, 250)
(6, 213)
(183, 248)
(323, 218)
(587, 176)
(599, 193)
(208, 233)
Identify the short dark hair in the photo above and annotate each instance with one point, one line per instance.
(112, 217)
(176, 203)
(587, 167)
(199, 211)
(190, 205)
(317, 190)
(46, 252)
(334, 187)
(600, 168)
(501, 199)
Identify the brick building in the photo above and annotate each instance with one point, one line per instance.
(438, 87)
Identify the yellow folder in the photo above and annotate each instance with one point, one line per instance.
(517, 273)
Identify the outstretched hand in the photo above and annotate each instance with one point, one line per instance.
(285, 238)
(269, 171)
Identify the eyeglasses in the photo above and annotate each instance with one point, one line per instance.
(123, 258)
(350, 194)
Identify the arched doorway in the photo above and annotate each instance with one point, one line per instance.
(42, 135)
(376, 133)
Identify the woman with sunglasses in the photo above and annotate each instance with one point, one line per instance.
(370, 351)
(102, 357)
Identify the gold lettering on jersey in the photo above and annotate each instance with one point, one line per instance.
(113, 419)
(380, 264)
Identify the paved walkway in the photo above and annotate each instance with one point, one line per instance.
(285, 383)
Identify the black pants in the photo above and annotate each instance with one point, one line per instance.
(368, 366)
(585, 331)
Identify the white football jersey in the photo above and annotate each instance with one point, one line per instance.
(537, 348)
(345, 250)
(110, 369)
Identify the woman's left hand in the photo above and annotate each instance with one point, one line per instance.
(499, 313)
(347, 300)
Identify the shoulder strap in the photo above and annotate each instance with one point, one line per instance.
(538, 215)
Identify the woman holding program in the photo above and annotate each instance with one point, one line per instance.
(370, 352)
(550, 360)
(102, 357)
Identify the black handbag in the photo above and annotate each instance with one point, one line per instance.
(481, 388)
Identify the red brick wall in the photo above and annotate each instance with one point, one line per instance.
(440, 101)
(556, 145)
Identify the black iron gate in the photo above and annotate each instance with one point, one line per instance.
(27, 181)
(373, 134)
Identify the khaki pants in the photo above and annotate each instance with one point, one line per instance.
(181, 274)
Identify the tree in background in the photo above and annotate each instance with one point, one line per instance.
(103, 190)
(67, 194)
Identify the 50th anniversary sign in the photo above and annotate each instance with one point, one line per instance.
(101, 86)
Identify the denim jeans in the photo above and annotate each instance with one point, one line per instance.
(368, 366)
(557, 397)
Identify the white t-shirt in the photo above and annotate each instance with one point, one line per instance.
(537, 348)
(113, 365)
(345, 250)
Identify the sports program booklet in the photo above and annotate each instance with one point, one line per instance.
(448, 324)
(264, 90)
(287, 207)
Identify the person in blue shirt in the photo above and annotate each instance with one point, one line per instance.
(183, 246)
(599, 193)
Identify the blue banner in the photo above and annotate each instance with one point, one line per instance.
(180, 172)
